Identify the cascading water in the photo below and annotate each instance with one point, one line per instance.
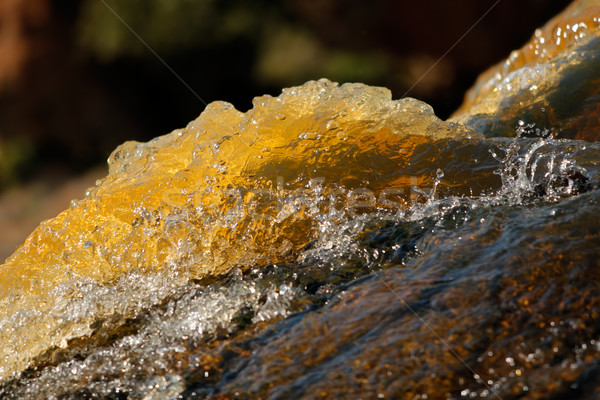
(197, 338)
(333, 243)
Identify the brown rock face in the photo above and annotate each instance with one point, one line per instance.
(552, 83)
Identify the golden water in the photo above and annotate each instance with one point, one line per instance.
(333, 242)
(230, 189)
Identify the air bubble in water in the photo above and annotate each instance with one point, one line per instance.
(308, 135)
(341, 135)
(332, 124)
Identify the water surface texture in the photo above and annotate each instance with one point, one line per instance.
(331, 243)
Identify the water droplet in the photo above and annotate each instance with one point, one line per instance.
(332, 124)
(308, 135)
(439, 173)
(280, 116)
(341, 135)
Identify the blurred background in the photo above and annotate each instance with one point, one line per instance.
(75, 81)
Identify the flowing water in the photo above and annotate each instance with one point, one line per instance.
(333, 243)
(465, 267)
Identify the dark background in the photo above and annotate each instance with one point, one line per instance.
(75, 82)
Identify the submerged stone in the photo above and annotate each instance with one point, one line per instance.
(552, 83)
